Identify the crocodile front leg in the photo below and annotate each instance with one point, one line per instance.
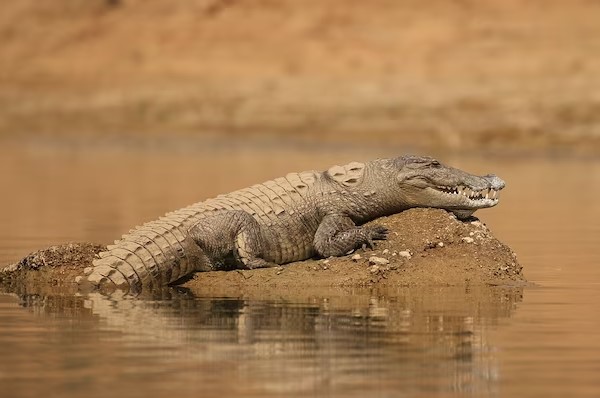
(337, 235)
(230, 239)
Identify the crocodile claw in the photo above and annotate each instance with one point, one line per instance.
(379, 232)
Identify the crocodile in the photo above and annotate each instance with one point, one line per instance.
(292, 218)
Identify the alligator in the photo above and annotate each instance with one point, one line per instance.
(292, 218)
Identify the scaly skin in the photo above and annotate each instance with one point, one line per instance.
(287, 219)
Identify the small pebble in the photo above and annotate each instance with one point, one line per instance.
(468, 239)
(385, 251)
(356, 257)
(378, 260)
(440, 244)
(471, 233)
(325, 261)
(374, 269)
(405, 254)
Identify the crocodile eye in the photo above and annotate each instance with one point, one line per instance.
(435, 163)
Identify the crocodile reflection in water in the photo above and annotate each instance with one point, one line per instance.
(431, 333)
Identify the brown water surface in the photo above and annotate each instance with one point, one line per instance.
(480, 341)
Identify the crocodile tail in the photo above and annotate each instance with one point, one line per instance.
(152, 255)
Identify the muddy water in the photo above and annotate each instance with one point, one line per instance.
(537, 341)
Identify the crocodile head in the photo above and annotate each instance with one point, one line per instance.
(425, 182)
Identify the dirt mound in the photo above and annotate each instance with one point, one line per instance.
(426, 247)
(56, 266)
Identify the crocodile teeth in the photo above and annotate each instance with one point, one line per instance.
(470, 193)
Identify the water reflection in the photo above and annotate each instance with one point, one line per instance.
(408, 340)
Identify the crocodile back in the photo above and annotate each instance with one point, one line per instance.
(161, 252)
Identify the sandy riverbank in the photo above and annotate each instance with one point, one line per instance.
(447, 75)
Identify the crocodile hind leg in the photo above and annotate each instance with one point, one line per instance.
(338, 235)
(231, 239)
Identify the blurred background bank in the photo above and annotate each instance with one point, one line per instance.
(515, 76)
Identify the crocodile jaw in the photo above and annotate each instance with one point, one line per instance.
(463, 201)
(467, 198)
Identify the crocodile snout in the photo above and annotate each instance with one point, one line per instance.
(496, 183)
